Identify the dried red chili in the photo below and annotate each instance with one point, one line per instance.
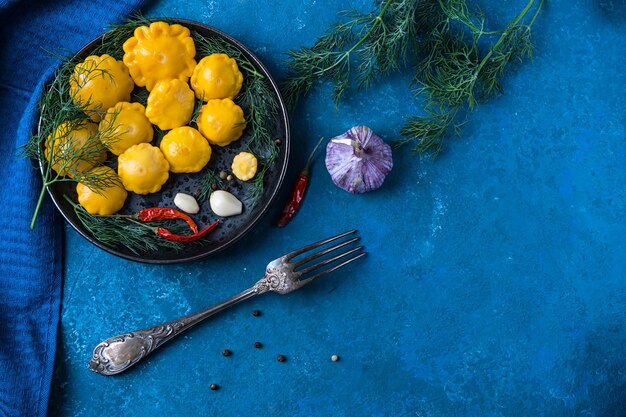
(159, 213)
(298, 191)
(166, 234)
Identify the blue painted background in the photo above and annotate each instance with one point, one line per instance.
(495, 284)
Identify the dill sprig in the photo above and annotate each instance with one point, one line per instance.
(209, 180)
(114, 38)
(57, 108)
(454, 76)
(443, 39)
(255, 190)
(262, 114)
(376, 43)
(117, 231)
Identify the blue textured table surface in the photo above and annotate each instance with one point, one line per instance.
(495, 284)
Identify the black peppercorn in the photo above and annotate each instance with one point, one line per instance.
(256, 313)
(213, 187)
(278, 142)
(226, 352)
(281, 358)
(258, 345)
(214, 387)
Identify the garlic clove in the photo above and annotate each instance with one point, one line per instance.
(186, 203)
(225, 204)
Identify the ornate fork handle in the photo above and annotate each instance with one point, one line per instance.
(118, 353)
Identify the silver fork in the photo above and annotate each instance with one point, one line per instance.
(118, 353)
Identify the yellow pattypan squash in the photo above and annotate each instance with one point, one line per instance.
(125, 125)
(221, 121)
(216, 76)
(98, 83)
(159, 52)
(185, 149)
(170, 104)
(74, 149)
(244, 166)
(143, 169)
(108, 200)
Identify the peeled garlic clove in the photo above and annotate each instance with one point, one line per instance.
(186, 203)
(225, 204)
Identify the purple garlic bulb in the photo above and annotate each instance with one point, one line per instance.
(359, 160)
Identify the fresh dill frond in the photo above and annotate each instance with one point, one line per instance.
(197, 107)
(444, 40)
(262, 114)
(427, 132)
(112, 41)
(140, 95)
(122, 231)
(52, 145)
(210, 180)
(376, 43)
(454, 75)
(257, 186)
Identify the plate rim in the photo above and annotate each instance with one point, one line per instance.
(286, 145)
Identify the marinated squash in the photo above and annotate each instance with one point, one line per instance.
(98, 83)
(159, 52)
(143, 169)
(216, 76)
(74, 149)
(125, 125)
(170, 104)
(185, 149)
(221, 122)
(105, 201)
(244, 166)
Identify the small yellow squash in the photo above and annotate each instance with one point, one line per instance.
(170, 104)
(244, 166)
(185, 149)
(143, 169)
(221, 121)
(216, 76)
(98, 83)
(108, 200)
(74, 148)
(159, 52)
(125, 125)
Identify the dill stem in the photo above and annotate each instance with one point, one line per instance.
(536, 13)
(346, 54)
(38, 207)
(503, 36)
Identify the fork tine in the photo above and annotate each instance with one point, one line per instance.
(303, 282)
(297, 252)
(308, 269)
(324, 252)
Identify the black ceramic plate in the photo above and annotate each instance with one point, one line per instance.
(232, 228)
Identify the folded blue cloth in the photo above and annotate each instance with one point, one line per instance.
(31, 261)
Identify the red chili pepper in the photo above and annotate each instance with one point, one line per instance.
(158, 213)
(166, 234)
(298, 191)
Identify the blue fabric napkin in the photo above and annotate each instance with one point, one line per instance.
(31, 261)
